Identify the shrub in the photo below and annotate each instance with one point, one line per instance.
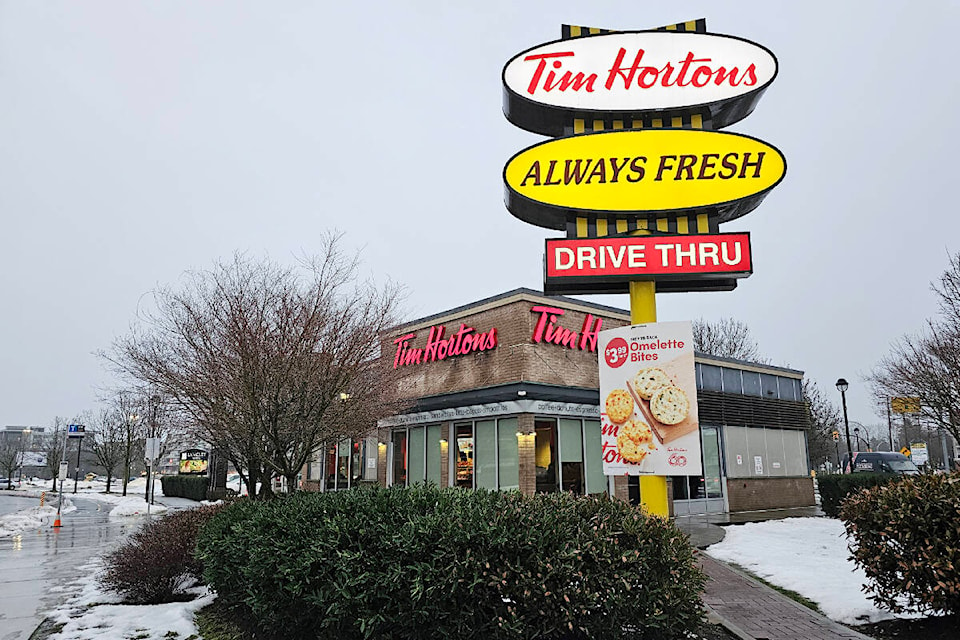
(835, 488)
(906, 537)
(192, 487)
(425, 562)
(157, 563)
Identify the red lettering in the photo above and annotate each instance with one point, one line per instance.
(541, 65)
(464, 341)
(618, 71)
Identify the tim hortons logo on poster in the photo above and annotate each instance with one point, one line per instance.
(632, 73)
(547, 330)
(465, 340)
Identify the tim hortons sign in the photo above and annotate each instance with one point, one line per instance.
(574, 266)
(633, 74)
(641, 174)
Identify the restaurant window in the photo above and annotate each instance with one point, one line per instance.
(751, 383)
(343, 464)
(433, 453)
(508, 453)
(400, 458)
(768, 386)
(732, 382)
(416, 465)
(785, 386)
(712, 380)
(463, 456)
(485, 454)
(331, 464)
(595, 480)
(571, 455)
(545, 455)
(356, 462)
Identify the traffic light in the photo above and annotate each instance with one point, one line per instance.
(836, 435)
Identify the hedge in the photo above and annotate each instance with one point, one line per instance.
(425, 562)
(906, 537)
(834, 488)
(192, 487)
(156, 563)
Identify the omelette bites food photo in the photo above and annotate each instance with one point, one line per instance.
(619, 405)
(647, 381)
(670, 405)
(635, 440)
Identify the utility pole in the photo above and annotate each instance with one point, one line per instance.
(890, 426)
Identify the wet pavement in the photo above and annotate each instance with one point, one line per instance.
(12, 504)
(35, 565)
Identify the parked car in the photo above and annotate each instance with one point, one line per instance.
(880, 462)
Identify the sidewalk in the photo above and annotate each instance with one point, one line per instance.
(754, 611)
(749, 609)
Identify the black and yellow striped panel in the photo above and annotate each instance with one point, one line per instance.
(582, 227)
(610, 123)
(568, 31)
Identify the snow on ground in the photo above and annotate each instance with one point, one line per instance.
(806, 555)
(133, 504)
(32, 518)
(95, 614)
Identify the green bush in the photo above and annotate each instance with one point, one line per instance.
(835, 488)
(157, 563)
(192, 487)
(425, 562)
(906, 537)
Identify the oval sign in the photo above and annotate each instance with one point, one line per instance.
(641, 174)
(635, 74)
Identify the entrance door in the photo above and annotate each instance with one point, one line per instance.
(702, 494)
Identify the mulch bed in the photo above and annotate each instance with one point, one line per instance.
(932, 628)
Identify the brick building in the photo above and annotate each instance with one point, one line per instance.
(503, 394)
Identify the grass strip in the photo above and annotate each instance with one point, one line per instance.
(793, 595)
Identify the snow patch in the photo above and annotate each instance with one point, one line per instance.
(13, 524)
(806, 555)
(135, 507)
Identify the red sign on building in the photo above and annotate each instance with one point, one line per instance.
(573, 263)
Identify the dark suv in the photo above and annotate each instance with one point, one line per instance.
(880, 462)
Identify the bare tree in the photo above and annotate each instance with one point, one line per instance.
(266, 362)
(9, 457)
(824, 421)
(727, 338)
(54, 442)
(108, 441)
(927, 365)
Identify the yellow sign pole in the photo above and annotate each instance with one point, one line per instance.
(643, 309)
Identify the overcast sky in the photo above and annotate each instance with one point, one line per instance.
(139, 140)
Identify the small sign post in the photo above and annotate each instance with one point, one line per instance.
(64, 471)
(76, 431)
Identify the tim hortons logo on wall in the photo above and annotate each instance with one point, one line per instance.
(546, 330)
(465, 340)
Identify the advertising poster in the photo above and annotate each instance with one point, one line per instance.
(648, 400)
(193, 461)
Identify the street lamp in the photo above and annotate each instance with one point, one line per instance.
(843, 385)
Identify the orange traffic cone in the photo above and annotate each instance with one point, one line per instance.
(56, 523)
